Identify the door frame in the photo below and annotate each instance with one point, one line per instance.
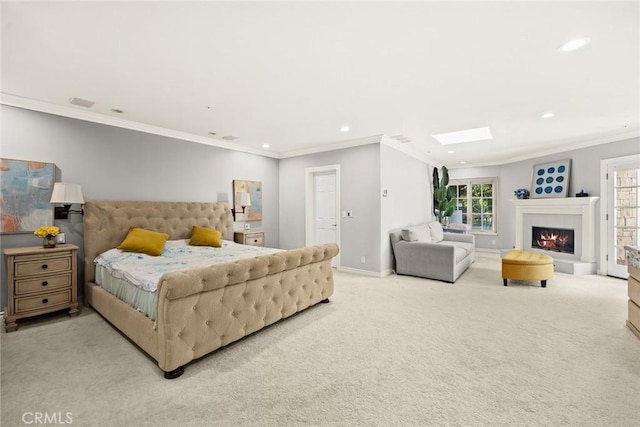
(604, 207)
(310, 204)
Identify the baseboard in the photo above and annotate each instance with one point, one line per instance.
(488, 250)
(378, 274)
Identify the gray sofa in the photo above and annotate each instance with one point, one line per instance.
(425, 250)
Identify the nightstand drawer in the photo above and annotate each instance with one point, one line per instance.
(43, 301)
(44, 266)
(254, 239)
(43, 284)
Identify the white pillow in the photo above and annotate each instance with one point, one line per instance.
(437, 233)
(417, 233)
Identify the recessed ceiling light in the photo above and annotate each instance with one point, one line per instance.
(468, 135)
(265, 146)
(229, 137)
(117, 110)
(547, 115)
(450, 152)
(345, 128)
(212, 133)
(463, 162)
(574, 44)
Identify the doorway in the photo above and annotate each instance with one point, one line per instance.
(622, 216)
(322, 206)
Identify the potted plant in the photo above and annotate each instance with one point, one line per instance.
(443, 202)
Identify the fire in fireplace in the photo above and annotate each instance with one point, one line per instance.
(553, 239)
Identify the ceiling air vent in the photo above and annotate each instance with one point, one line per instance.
(401, 138)
(81, 102)
(229, 137)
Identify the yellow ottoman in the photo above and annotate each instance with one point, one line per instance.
(526, 265)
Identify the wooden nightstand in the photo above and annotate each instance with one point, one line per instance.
(249, 237)
(40, 281)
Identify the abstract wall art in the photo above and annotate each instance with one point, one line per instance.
(247, 200)
(550, 179)
(25, 192)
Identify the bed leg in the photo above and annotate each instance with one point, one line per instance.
(325, 301)
(171, 375)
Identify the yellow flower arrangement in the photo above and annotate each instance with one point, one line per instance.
(47, 232)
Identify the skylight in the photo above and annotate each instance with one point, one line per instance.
(468, 135)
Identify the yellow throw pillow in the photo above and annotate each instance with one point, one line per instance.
(144, 241)
(201, 236)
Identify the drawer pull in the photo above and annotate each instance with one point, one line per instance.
(45, 283)
(45, 266)
(45, 300)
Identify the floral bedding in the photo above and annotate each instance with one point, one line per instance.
(145, 271)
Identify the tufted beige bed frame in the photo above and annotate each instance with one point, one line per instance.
(202, 309)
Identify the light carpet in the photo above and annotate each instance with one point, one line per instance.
(391, 352)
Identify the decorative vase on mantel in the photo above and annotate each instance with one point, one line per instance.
(49, 241)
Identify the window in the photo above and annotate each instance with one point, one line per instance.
(477, 204)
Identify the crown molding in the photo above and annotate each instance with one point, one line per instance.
(88, 116)
(409, 149)
(333, 146)
(558, 148)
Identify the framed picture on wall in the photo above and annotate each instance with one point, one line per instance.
(550, 179)
(247, 200)
(25, 192)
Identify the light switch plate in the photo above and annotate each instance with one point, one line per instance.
(247, 226)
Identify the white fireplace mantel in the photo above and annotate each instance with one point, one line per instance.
(583, 206)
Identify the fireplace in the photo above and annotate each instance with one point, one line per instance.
(553, 239)
(575, 214)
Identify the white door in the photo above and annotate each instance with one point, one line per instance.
(322, 207)
(325, 212)
(325, 209)
(623, 212)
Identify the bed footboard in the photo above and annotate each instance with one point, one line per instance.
(204, 309)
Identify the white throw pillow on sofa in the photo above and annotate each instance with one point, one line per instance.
(417, 233)
(437, 233)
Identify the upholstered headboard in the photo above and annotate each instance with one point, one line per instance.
(106, 223)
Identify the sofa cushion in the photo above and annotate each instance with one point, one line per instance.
(437, 233)
(461, 250)
(417, 233)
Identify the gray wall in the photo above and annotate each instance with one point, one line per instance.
(359, 191)
(119, 164)
(585, 174)
(409, 196)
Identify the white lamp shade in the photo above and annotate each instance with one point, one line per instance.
(243, 199)
(66, 193)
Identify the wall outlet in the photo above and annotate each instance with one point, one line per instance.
(347, 214)
(363, 259)
(247, 226)
(493, 242)
(61, 238)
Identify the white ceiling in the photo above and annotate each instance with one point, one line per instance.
(292, 73)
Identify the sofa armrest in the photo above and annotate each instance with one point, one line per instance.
(457, 237)
(421, 253)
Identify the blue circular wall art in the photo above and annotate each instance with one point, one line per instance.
(551, 179)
